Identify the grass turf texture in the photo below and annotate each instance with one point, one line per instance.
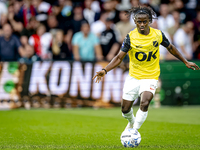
(174, 128)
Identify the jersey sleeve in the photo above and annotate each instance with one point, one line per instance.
(165, 42)
(126, 45)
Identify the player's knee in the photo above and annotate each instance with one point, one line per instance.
(144, 105)
(125, 109)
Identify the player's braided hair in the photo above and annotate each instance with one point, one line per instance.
(142, 10)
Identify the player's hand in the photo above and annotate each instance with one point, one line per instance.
(99, 75)
(192, 66)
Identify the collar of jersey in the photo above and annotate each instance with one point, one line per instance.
(147, 34)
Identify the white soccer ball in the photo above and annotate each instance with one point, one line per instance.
(130, 138)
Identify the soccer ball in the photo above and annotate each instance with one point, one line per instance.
(130, 138)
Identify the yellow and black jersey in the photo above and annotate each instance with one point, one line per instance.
(143, 52)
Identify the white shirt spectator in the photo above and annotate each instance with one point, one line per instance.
(45, 42)
(165, 23)
(96, 7)
(192, 4)
(182, 39)
(3, 9)
(44, 10)
(98, 27)
(89, 15)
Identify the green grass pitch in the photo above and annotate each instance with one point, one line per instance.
(173, 128)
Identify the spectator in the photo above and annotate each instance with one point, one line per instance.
(182, 40)
(24, 40)
(190, 8)
(108, 41)
(31, 27)
(43, 9)
(16, 9)
(56, 10)
(60, 49)
(29, 30)
(14, 20)
(124, 26)
(86, 46)
(3, 9)
(89, 14)
(9, 45)
(155, 4)
(77, 19)
(75, 24)
(180, 7)
(171, 6)
(99, 26)
(176, 26)
(110, 7)
(41, 42)
(26, 12)
(196, 44)
(165, 20)
(124, 5)
(133, 4)
(67, 8)
(28, 55)
(53, 25)
(196, 21)
(95, 6)
(3, 21)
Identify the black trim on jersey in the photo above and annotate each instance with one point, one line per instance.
(165, 42)
(126, 45)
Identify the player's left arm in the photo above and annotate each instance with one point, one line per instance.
(172, 49)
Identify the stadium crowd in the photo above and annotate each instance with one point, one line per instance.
(90, 30)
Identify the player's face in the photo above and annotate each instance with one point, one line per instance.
(142, 22)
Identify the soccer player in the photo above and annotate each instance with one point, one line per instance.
(142, 45)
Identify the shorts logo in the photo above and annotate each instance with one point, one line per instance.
(152, 87)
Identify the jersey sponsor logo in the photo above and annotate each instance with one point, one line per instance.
(155, 43)
(145, 56)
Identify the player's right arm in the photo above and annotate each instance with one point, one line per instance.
(172, 49)
(114, 63)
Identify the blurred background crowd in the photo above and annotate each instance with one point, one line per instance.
(90, 30)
